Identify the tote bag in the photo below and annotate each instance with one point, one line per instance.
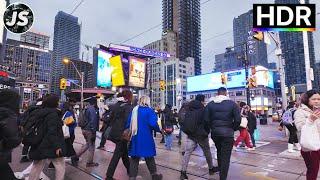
(244, 122)
(310, 137)
(65, 128)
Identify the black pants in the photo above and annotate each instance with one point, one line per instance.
(121, 151)
(253, 141)
(6, 172)
(293, 138)
(224, 148)
(134, 164)
(103, 139)
(69, 146)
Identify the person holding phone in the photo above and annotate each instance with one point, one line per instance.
(309, 113)
(52, 146)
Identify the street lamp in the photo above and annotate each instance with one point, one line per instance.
(67, 61)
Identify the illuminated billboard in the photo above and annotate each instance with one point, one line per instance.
(235, 79)
(104, 69)
(117, 75)
(137, 70)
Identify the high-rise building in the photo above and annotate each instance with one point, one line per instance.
(183, 17)
(82, 66)
(36, 38)
(241, 27)
(31, 66)
(293, 53)
(227, 61)
(3, 30)
(66, 44)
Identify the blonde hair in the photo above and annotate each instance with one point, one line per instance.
(144, 101)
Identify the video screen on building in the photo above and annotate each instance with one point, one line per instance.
(104, 69)
(137, 70)
(117, 75)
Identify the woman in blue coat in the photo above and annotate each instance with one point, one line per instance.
(141, 122)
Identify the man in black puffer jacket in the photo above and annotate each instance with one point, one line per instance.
(9, 134)
(198, 134)
(224, 117)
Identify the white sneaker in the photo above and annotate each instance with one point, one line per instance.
(290, 148)
(251, 149)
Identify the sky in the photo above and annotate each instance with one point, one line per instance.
(111, 21)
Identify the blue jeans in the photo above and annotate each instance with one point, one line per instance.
(168, 141)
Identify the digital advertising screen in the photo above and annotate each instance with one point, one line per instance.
(137, 70)
(104, 69)
(117, 75)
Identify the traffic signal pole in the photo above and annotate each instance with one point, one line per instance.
(246, 66)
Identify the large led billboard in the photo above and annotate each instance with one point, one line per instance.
(104, 69)
(137, 70)
(117, 75)
(235, 79)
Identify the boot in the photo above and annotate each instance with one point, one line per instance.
(297, 146)
(183, 175)
(157, 177)
(290, 148)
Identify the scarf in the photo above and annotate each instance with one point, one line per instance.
(134, 121)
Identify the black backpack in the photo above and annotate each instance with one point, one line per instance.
(189, 123)
(33, 129)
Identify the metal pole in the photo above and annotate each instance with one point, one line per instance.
(246, 61)
(82, 77)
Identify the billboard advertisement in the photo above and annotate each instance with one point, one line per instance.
(104, 69)
(235, 79)
(137, 70)
(117, 75)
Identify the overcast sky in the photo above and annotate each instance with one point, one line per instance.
(113, 21)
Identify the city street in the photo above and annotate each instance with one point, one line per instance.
(270, 161)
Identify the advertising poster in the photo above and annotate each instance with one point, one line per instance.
(104, 69)
(117, 75)
(137, 72)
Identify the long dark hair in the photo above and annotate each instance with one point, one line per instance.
(306, 97)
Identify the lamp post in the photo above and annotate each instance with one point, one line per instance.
(179, 96)
(67, 61)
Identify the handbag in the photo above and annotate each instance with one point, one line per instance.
(244, 122)
(65, 128)
(256, 134)
(68, 120)
(309, 138)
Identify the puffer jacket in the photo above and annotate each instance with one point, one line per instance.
(301, 117)
(9, 134)
(223, 115)
(53, 138)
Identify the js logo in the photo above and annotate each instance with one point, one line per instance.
(18, 18)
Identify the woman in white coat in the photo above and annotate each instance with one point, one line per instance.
(309, 114)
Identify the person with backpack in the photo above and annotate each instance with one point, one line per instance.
(181, 117)
(168, 120)
(89, 124)
(9, 133)
(46, 138)
(287, 120)
(223, 116)
(105, 127)
(197, 131)
(119, 117)
(141, 122)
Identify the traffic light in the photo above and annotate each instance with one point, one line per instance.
(162, 85)
(258, 35)
(63, 83)
(223, 79)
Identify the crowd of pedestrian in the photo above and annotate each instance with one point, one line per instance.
(47, 132)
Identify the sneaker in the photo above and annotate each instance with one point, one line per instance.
(213, 170)
(74, 161)
(92, 164)
(251, 149)
(183, 175)
(24, 159)
(157, 177)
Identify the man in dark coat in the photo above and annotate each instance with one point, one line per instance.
(199, 136)
(224, 117)
(9, 134)
(119, 116)
(252, 125)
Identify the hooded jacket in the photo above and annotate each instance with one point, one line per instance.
(223, 116)
(202, 128)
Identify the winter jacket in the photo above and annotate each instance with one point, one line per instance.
(203, 129)
(252, 122)
(9, 134)
(119, 117)
(142, 144)
(223, 115)
(53, 138)
(301, 117)
(92, 117)
(168, 118)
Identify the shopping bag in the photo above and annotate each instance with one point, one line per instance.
(65, 130)
(310, 137)
(256, 134)
(244, 122)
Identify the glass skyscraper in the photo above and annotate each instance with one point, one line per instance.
(293, 54)
(183, 17)
(66, 44)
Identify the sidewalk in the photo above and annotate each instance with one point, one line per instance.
(267, 162)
